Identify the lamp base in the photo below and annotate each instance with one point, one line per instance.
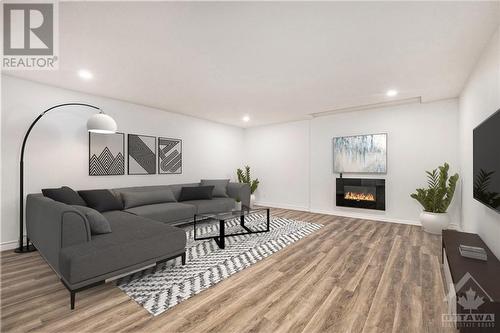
(25, 249)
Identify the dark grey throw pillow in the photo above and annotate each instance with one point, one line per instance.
(220, 186)
(196, 193)
(101, 200)
(134, 199)
(98, 223)
(65, 195)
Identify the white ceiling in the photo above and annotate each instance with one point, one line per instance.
(273, 61)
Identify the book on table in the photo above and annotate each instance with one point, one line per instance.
(472, 252)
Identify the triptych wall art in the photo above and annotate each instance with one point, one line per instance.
(360, 154)
(107, 154)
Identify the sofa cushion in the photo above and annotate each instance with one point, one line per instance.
(220, 189)
(65, 195)
(165, 212)
(216, 205)
(101, 200)
(196, 193)
(134, 199)
(175, 188)
(97, 222)
(134, 240)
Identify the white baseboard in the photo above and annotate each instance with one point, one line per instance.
(366, 217)
(338, 213)
(452, 226)
(9, 245)
(283, 206)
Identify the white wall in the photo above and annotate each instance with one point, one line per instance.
(279, 157)
(57, 152)
(479, 99)
(420, 137)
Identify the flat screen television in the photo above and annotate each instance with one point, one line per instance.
(486, 162)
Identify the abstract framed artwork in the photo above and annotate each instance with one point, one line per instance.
(141, 156)
(106, 154)
(360, 153)
(169, 156)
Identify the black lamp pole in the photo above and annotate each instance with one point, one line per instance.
(29, 247)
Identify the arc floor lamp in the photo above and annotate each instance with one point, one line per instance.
(98, 123)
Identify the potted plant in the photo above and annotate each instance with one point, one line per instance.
(244, 177)
(237, 205)
(436, 199)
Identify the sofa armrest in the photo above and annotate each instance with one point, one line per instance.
(75, 228)
(52, 225)
(239, 190)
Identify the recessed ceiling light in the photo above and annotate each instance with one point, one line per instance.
(85, 74)
(391, 92)
(246, 119)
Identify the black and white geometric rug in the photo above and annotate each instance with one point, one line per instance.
(161, 287)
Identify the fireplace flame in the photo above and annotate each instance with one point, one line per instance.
(359, 196)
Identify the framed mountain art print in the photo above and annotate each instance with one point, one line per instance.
(106, 154)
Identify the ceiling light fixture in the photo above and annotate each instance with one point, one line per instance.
(85, 74)
(246, 119)
(391, 92)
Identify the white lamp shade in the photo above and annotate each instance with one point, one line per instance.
(101, 123)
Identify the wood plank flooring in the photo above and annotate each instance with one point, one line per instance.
(351, 276)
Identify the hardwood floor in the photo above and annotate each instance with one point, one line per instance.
(351, 276)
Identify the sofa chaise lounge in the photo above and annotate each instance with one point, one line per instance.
(143, 233)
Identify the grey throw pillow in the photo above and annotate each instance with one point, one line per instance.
(189, 193)
(101, 200)
(65, 195)
(220, 186)
(134, 199)
(98, 223)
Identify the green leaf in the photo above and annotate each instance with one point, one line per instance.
(245, 177)
(439, 194)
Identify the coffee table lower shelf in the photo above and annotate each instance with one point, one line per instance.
(223, 217)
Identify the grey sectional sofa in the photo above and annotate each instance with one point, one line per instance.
(141, 235)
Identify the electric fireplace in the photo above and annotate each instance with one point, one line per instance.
(361, 193)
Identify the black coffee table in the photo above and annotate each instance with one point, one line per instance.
(221, 218)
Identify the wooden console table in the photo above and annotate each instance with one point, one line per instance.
(480, 278)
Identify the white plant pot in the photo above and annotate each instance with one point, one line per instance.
(237, 206)
(252, 200)
(434, 223)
